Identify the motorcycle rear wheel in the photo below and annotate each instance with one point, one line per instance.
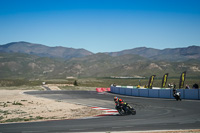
(132, 111)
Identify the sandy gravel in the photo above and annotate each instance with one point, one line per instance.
(55, 86)
(15, 106)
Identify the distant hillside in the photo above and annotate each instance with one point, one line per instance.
(176, 54)
(35, 61)
(142, 51)
(43, 51)
(102, 65)
(24, 66)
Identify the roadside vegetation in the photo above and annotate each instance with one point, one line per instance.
(4, 113)
(106, 82)
(88, 83)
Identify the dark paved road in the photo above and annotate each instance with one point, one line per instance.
(152, 114)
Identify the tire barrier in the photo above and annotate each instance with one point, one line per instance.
(102, 89)
(156, 93)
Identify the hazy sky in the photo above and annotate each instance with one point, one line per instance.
(101, 25)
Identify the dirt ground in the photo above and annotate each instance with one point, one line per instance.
(15, 106)
(55, 86)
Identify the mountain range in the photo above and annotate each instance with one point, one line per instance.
(175, 54)
(43, 51)
(36, 61)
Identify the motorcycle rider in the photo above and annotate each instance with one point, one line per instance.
(174, 92)
(124, 105)
(116, 100)
(121, 105)
(176, 95)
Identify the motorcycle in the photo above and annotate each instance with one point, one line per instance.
(129, 110)
(177, 96)
(120, 110)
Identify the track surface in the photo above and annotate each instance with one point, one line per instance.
(152, 114)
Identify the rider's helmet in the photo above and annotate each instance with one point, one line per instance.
(120, 100)
(116, 98)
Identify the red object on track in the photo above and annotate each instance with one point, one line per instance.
(99, 90)
(102, 89)
(108, 89)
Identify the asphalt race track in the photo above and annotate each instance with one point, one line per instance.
(152, 114)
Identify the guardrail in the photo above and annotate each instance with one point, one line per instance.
(157, 93)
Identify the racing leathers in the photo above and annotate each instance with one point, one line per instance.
(124, 106)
